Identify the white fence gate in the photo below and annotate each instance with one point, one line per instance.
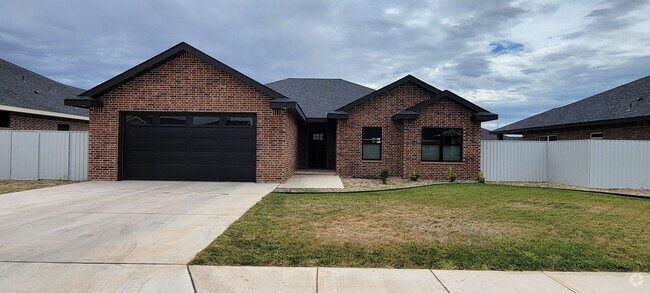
(30, 155)
(588, 163)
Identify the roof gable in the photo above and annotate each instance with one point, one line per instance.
(480, 114)
(403, 80)
(166, 56)
(446, 94)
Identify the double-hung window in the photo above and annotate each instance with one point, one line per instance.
(371, 143)
(442, 144)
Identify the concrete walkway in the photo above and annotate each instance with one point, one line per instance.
(313, 179)
(29, 277)
(274, 279)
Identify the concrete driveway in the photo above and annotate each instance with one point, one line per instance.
(56, 232)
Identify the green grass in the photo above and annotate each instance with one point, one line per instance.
(455, 226)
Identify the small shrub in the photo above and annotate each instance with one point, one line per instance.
(451, 174)
(415, 175)
(480, 177)
(383, 176)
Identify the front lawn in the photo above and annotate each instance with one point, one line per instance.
(454, 226)
(7, 186)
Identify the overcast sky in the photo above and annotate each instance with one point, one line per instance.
(515, 58)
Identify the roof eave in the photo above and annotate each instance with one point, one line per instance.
(292, 106)
(84, 102)
(405, 115)
(588, 123)
(485, 116)
(338, 115)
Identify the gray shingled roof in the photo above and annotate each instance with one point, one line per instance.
(628, 101)
(20, 87)
(318, 96)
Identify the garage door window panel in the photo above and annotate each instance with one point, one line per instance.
(139, 119)
(206, 121)
(172, 120)
(239, 121)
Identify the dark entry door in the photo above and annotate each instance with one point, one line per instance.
(188, 146)
(317, 150)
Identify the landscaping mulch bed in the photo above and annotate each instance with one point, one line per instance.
(368, 184)
(371, 184)
(628, 191)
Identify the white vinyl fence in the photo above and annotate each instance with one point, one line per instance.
(30, 155)
(588, 163)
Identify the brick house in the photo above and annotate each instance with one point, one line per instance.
(183, 115)
(29, 101)
(619, 113)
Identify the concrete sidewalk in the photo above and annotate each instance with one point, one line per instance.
(59, 277)
(275, 279)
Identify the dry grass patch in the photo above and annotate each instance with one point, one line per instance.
(7, 186)
(452, 226)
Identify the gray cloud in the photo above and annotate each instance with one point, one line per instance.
(84, 43)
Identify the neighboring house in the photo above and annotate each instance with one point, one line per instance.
(488, 135)
(29, 101)
(620, 113)
(183, 115)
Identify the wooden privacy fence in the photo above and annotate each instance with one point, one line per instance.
(30, 155)
(587, 163)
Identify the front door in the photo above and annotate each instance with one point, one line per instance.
(317, 150)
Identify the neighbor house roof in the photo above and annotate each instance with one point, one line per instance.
(626, 103)
(319, 96)
(24, 91)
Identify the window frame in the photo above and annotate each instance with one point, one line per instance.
(441, 158)
(5, 116)
(62, 127)
(591, 135)
(363, 143)
(547, 138)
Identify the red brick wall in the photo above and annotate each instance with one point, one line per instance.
(188, 84)
(401, 140)
(21, 121)
(443, 114)
(375, 113)
(626, 131)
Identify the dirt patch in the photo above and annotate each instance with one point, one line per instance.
(7, 186)
(406, 223)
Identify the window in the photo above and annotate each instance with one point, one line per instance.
(371, 143)
(239, 121)
(63, 127)
(548, 138)
(173, 120)
(139, 119)
(205, 120)
(317, 136)
(442, 144)
(4, 119)
(596, 135)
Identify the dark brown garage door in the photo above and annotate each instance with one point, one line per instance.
(188, 146)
